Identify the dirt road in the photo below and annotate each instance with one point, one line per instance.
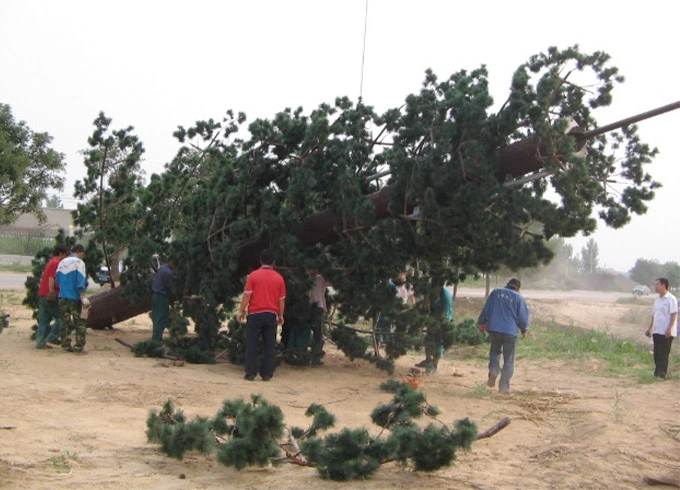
(12, 280)
(72, 422)
(553, 294)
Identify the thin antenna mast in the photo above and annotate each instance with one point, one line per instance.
(363, 55)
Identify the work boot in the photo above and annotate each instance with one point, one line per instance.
(431, 368)
(491, 382)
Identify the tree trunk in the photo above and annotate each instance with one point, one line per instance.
(110, 307)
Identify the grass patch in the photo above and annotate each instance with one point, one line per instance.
(479, 391)
(636, 300)
(61, 463)
(467, 308)
(11, 297)
(619, 407)
(16, 268)
(618, 357)
(637, 315)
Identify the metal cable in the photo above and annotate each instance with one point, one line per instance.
(363, 54)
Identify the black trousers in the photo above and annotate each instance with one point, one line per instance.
(662, 351)
(261, 326)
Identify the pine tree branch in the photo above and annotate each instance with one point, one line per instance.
(494, 429)
(293, 460)
(101, 215)
(374, 336)
(369, 150)
(358, 330)
(523, 231)
(379, 143)
(193, 169)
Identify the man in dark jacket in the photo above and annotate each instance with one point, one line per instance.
(162, 293)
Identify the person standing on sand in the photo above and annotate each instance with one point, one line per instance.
(440, 305)
(317, 296)
(504, 315)
(72, 282)
(663, 327)
(48, 307)
(162, 295)
(265, 299)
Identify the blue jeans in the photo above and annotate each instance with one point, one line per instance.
(261, 325)
(47, 311)
(505, 344)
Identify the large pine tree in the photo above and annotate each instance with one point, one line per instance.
(300, 184)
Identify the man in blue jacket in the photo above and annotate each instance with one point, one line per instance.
(72, 280)
(504, 316)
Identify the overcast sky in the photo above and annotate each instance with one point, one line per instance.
(157, 65)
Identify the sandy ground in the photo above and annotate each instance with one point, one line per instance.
(69, 421)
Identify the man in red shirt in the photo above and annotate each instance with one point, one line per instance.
(265, 299)
(48, 308)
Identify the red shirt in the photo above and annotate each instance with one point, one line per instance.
(267, 288)
(50, 271)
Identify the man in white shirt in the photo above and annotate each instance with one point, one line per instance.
(664, 326)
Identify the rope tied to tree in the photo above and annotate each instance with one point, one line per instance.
(363, 55)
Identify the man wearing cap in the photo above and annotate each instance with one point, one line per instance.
(265, 299)
(504, 315)
(72, 281)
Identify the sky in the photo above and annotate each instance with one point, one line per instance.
(158, 65)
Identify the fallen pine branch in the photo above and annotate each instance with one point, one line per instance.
(131, 347)
(252, 434)
(121, 341)
(670, 481)
(494, 429)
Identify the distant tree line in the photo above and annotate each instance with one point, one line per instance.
(567, 267)
(646, 271)
(29, 167)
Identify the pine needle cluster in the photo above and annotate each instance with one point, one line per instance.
(252, 434)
